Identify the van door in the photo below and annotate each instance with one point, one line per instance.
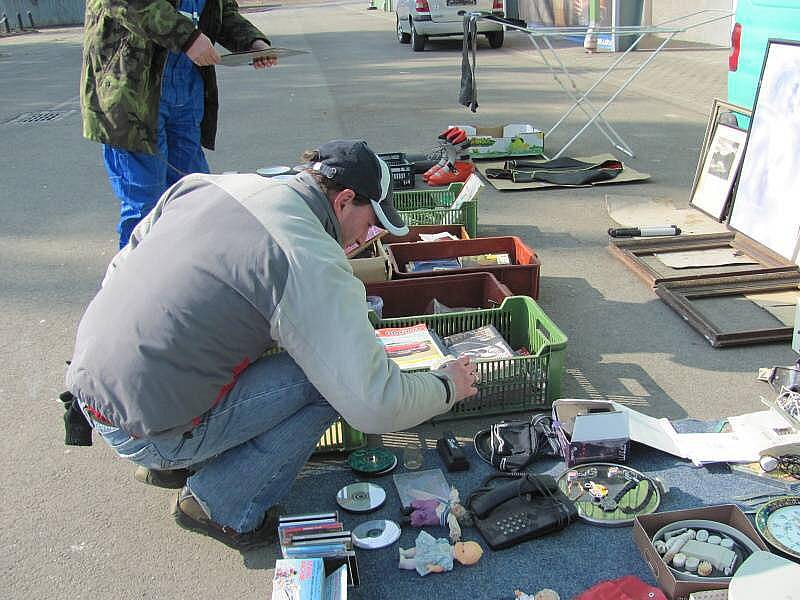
(758, 21)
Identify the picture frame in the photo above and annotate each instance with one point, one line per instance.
(720, 310)
(641, 256)
(720, 111)
(719, 167)
(765, 206)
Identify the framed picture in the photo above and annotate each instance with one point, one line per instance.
(737, 310)
(691, 258)
(765, 206)
(719, 168)
(721, 112)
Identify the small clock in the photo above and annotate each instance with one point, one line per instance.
(778, 521)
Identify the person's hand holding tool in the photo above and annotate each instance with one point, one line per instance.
(464, 374)
(263, 62)
(202, 52)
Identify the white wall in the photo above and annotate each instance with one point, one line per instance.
(718, 33)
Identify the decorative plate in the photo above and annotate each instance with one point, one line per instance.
(778, 521)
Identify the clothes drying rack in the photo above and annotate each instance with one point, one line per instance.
(541, 37)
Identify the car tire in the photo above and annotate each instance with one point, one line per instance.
(417, 40)
(402, 36)
(496, 38)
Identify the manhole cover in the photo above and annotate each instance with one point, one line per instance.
(35, 118)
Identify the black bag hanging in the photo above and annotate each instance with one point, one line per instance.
(510, 446)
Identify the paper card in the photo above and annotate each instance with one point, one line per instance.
(711, 257)
(471, 188)
(237, 59)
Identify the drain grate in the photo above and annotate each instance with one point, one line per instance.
(36, 118)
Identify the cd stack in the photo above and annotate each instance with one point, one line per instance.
(319, 535)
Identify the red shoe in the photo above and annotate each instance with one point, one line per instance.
(434, 169)
(461, 172)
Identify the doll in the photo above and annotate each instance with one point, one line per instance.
(436, 555)
(436, 512)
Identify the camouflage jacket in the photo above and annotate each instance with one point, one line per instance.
(124, 50)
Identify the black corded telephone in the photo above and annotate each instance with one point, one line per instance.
(524, 506)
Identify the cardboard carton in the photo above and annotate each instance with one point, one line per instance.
(374, 268)
(645, 526)
(509, 139)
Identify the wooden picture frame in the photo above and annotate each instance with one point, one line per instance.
(765, 206)
(722, 325)
(719, 167)
(718, 109)
(640, 255)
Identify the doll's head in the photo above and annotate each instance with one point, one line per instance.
(467, 553)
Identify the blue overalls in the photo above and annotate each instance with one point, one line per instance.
(137, 178)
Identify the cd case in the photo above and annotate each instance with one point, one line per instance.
(422, 485)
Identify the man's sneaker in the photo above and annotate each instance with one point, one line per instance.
(190, 515)
(172, 480)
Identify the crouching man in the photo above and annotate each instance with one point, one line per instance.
(169, 364)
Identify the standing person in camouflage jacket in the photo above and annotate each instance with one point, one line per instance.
(149, 90)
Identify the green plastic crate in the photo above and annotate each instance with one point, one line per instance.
(431, 207)
(521, 383)
(340, 437)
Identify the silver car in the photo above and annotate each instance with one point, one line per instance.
(417, 20)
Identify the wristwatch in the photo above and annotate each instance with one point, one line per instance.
(446, 382)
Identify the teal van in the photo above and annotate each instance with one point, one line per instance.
(756, 22)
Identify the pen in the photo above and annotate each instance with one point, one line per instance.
(644, 231)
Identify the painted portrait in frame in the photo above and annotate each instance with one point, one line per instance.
(765, 206)
(719, 169)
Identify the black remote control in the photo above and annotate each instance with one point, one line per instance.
(452, 453)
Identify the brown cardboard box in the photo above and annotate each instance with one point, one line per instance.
(376, 268)
(645, 526)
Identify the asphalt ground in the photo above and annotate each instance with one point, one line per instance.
(74, 524)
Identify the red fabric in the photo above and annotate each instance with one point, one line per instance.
(235, 372)
(624, 588)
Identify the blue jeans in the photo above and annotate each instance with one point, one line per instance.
(248, 449)
(138, 179)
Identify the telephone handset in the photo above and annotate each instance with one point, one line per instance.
(525, 506)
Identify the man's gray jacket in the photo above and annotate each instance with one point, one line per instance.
(222, 269)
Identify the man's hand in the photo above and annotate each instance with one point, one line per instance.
(264, 62)
(464, 374)
(202, 52)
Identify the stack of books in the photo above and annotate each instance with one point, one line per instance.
(319, 535)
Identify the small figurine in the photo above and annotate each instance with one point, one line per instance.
(435, 512)
(436, 555)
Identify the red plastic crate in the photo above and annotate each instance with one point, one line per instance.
(521, 277)
(414, 230)
(411, 297)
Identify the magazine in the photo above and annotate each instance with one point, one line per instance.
(413, 347)
(482, 343)
(304, 579)
(373, 233)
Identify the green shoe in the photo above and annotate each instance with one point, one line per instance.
(190, 515)
(172, 480)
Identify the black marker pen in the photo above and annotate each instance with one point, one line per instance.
(645, 231)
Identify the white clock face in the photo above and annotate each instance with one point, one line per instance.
(784, 525)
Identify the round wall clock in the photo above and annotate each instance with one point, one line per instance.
(778, 521)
